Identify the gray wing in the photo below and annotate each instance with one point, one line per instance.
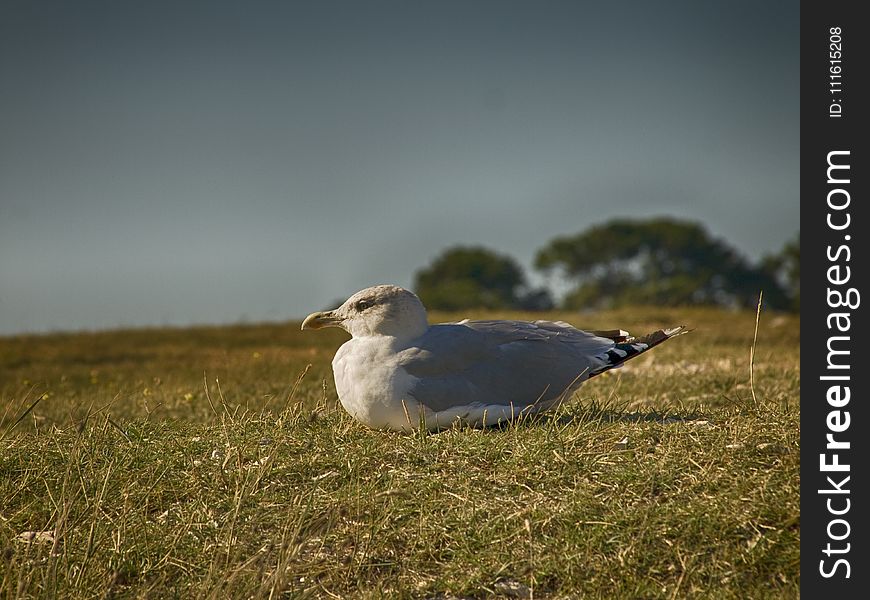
(509, 363)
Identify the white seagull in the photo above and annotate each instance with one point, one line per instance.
(398, 372)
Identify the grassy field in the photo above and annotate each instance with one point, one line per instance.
(216, 463)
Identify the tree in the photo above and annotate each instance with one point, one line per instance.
(657, 261)
(786, 268)
(475, 277)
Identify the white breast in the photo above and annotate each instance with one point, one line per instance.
(372, 387)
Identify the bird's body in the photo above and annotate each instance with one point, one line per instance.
(371, 383)
(397, 372)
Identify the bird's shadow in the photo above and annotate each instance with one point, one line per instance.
(594, 415)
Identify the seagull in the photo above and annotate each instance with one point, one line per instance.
(397, 372)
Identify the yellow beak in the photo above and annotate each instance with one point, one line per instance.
(319, 320)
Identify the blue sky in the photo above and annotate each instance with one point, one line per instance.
(208, 162)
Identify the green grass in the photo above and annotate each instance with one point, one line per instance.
(202, 463)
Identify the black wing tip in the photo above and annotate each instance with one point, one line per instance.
(627, 349)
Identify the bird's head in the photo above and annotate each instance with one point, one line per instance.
(380, 310)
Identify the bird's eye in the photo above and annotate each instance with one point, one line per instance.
(362, 305)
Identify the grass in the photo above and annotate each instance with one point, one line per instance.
(215, 463)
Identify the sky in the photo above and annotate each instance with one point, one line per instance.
(172, 163)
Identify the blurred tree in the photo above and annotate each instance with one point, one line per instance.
(657, 261)
(786, 267)
(475, 277)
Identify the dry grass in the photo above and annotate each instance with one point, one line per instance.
(197, 463)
